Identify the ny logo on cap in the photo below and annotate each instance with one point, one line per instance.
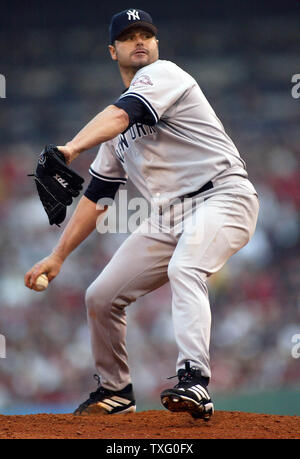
(133, 14)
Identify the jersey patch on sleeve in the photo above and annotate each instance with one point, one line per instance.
(142, 80)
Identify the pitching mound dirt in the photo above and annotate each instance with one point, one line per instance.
(149, 425)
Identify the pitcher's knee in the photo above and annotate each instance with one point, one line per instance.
(96, 301)
(89, 297)
(178, 271)
(100, 300)
(173, 270)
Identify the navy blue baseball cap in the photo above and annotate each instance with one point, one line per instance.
(127, 19)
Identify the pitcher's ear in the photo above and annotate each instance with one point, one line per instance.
(113, 53)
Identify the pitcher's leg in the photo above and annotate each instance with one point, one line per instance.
(224, 224)
(138, 267)
(191, 315)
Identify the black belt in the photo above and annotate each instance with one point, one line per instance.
(205, 187)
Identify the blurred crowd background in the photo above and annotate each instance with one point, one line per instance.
(59, 75)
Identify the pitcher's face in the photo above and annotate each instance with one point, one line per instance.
(135, 48)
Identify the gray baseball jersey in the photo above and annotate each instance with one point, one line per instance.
(185, 148)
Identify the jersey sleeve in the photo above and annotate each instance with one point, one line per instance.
(136, 111)
(159, 86)
(98, 189)
(107, 167)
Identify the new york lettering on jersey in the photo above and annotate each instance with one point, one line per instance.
(136, 131)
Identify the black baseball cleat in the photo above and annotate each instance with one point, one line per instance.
(104, 401)
(190, 394)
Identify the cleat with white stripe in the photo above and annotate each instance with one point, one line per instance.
(105, 401)
(189, 395)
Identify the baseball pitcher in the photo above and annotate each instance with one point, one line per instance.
(163, 134)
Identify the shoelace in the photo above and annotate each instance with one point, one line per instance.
(185, 376)
(99, 389)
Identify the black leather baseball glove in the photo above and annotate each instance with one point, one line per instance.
(57, 184)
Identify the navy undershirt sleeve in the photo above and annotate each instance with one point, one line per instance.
(136, 110)
(98, 189)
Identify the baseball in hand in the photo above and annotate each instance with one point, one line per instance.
(41, 283)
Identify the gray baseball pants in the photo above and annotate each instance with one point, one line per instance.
(184, 245)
